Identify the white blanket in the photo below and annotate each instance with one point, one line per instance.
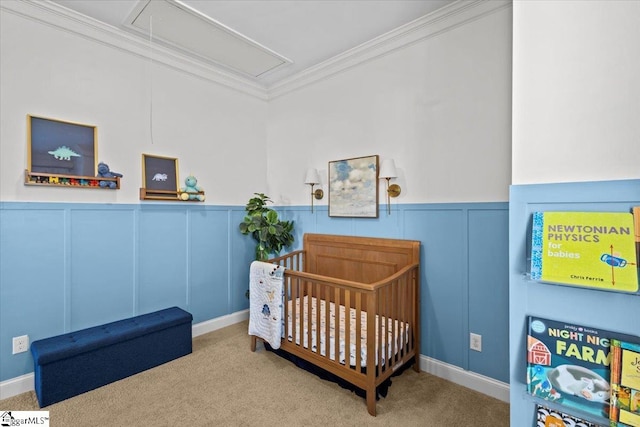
(265, 302)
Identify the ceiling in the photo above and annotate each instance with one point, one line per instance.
(290, 36)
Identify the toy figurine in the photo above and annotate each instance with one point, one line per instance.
(105, 172)
(191, 190)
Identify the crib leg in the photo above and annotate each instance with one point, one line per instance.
(253, 342)
(371, 402)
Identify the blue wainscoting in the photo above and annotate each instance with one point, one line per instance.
(65, 267)
(599, 309)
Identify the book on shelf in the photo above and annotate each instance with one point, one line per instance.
(568, 364)
(587, 249)
(625, 384)
(547, 417)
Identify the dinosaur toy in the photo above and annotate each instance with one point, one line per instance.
(105, 172)
(191, 190)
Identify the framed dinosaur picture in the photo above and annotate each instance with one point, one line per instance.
(61, 147)
(160, 174)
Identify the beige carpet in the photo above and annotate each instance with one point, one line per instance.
(222, 383)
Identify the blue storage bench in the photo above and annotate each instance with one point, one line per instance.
(69, 364)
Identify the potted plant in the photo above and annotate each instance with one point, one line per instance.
(263, 224)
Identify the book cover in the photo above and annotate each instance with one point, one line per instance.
(588, 249)
(569, 364)
(625, 384)
(546, 417)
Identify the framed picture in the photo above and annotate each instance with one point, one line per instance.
(60, 147)
(160, 174)
(353, 187)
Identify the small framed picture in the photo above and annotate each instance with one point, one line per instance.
(160, 173)
(353, 187)
(61, 147)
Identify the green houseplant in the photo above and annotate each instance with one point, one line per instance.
(267, 229)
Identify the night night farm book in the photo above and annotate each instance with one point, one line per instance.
(587, 249)
(569, 365)
(625, 384)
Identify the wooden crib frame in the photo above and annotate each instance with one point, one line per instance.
(376, 275)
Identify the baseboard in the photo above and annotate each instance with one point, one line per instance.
(472, 380)
(220, 322)
(24, 383)
(15, 386)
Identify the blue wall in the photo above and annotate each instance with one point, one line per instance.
(65, 267)
(600, 309)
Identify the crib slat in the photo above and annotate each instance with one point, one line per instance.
(285, 306)
(317, 288)
(327, 324)
(296, 311)
(308, 332)
(358, 301)
(336, 328)
(347, 327)
(387, 327)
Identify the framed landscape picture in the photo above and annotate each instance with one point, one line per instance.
(353, 187)
(61, 147)
(160, 173)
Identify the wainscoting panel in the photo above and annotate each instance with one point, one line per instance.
(208, 264)
(102, 265)
(33, 269)
(487, 246)
(162, 259)
(442, 231)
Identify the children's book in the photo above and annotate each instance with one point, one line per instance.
(569, 365)
(587, 249)
(625, 384)
(546, 417)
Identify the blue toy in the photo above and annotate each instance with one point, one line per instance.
(105, 172)
(191, 190)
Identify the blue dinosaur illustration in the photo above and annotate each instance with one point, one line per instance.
(63, 153)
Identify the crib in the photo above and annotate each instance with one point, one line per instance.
(351, 306)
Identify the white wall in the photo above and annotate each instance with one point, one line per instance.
(440, 107)
(217, 133)
(439, 104)
(576, 91)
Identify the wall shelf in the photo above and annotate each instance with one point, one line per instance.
(166, 195)
(68, 181)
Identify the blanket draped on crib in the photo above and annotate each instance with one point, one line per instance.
(265, 302)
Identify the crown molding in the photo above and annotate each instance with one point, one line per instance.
(449, 17)
(61, 18)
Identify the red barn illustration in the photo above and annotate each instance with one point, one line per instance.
(537, 352)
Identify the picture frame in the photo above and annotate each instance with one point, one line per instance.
(61, 147)
(160, 174)
(353, 187)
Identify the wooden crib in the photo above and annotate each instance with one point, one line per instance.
(376, 281)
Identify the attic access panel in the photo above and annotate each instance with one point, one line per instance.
(174, 24)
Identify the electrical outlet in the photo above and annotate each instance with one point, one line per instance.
(475, 342)
(20, 344)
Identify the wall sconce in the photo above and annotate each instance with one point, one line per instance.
(388, 171)
(313, 179)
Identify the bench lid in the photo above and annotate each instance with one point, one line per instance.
(67, 345)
